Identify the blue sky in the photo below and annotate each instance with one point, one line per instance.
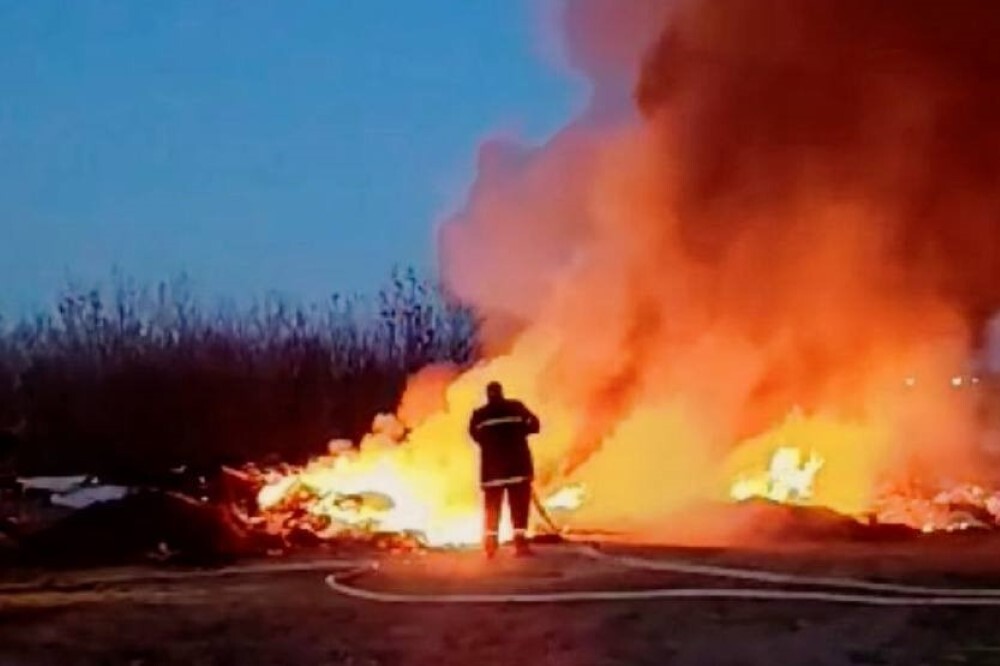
(293, 147)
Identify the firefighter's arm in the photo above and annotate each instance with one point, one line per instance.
(474, 428)
(531, 421)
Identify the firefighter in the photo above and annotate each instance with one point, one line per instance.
(501, 428)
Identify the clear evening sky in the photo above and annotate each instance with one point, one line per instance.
(293, 147)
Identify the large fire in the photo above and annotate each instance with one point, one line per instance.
(421, 482)
(750, 268)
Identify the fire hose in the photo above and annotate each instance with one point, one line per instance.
(853, 592)
(865, 593)
(338, 583)
(868, 593)
(351, 569)
(543, 513)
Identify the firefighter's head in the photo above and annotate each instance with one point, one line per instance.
(494, 391)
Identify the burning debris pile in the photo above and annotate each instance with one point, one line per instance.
(791, 475)
(368, 493)
(794, 475)
(954, 508)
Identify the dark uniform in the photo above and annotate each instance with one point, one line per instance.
(501, 428)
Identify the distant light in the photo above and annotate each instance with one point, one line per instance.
(975, 380)
(956, 382)
(910, 381)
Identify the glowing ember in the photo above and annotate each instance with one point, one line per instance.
(788, 478)
(960, 507)
(275, 491)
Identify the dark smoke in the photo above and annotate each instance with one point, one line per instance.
(893, 103)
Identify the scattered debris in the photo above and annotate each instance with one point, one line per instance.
(145, 523)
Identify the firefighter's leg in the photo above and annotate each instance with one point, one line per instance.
(492, 503)
(519, 501)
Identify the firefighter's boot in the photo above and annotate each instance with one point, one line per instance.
(490, 545)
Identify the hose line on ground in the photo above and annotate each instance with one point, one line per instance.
(771, 577)
(350, 569)
(338, 583)
(867, 593)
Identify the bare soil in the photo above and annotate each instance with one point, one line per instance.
(69, 618)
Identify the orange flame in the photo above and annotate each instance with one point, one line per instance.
(788, 478)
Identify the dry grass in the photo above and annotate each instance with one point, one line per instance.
(128, 380)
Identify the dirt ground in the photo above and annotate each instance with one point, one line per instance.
(73, 618)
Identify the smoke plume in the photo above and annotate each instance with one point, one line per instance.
(768, 206)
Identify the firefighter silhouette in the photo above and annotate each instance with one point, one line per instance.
(501, 428)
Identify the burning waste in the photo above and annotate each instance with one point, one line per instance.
(720, 281)
(381, 488)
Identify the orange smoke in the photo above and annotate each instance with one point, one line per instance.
(772, 232)
(798, 211)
